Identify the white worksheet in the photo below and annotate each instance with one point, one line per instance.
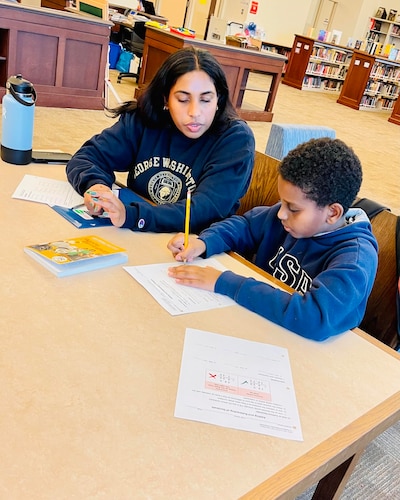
(237, 383)
(175, 298)
(49, 191)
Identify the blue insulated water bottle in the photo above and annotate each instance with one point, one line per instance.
(18, 108)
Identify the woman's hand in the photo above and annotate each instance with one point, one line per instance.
(100, 200)
(195, 247)
(195, 276)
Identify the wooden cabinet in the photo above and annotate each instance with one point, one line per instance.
(371, 83)
(64, 55)
(356, 80)
(395, 116)
(55, 4)
(298, 61)
(315, 65)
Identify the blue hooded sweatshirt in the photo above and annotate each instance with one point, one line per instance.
(162, 165)
(332, 273)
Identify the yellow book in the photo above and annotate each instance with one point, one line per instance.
(76, 255)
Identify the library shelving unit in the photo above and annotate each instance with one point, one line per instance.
(372, 83)
(274, 48)
(382, 37)
(316, 65)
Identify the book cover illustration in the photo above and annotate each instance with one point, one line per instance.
(76, 255)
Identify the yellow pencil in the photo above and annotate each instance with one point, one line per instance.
(187, 219)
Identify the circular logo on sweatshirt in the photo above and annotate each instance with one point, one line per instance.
(165, 187)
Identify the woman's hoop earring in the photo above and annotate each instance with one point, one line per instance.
(165, 108)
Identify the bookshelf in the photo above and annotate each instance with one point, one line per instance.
(372, 83)
(383, 38)
(274, 48)
(316, 65)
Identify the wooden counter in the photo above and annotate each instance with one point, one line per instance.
(64, 55)
(236, 62)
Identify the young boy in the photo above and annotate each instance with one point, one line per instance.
(310, 240)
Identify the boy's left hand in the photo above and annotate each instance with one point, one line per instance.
(195, 276)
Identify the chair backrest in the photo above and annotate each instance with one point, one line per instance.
(380, 318)
(132, 41)
(283, 137)
(263, 188)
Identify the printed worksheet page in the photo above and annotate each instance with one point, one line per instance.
(237, 383)
(175, 298)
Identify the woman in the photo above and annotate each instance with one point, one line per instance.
(182, 134)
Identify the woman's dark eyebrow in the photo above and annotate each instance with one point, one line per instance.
(207, 92)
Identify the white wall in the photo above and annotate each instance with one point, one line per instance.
(173, 10)
(282, 19)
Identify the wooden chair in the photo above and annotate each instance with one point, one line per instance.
(263, 189)
(380, 320)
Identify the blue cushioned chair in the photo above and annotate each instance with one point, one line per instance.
(284, 137)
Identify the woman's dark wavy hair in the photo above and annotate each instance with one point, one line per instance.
(326, 170)
(150, 104)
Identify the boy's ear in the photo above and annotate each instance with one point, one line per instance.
(335, 212)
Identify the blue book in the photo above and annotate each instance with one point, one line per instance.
(81, 218)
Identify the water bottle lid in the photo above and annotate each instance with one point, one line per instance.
(20, 85)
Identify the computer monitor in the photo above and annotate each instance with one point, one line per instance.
(149, 8)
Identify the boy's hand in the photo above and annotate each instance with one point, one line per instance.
(100, 200)
(195, 276)
(195, 247)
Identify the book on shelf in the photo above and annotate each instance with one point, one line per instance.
(392, 15)
(381, 13)
(394, 54)
(70, 256)
(336, 37)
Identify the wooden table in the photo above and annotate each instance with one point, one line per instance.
(236, 62)
(90, 367)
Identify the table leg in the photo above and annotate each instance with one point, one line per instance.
(332, 485)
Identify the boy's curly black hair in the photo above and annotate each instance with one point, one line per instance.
(326, 170)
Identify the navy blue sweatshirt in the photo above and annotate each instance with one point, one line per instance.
(162, 164)
(333, 273)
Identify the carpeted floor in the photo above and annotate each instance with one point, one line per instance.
(376, 476)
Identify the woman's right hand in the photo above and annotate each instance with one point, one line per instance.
(91, 205)
(195, 247)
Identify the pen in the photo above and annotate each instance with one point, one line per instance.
(187, 220)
